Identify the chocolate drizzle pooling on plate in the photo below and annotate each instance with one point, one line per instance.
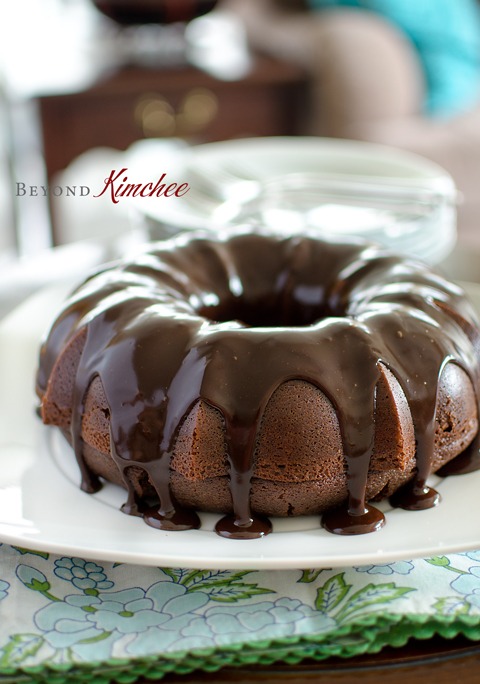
(227, 321)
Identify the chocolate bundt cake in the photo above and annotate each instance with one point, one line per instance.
(255, 375)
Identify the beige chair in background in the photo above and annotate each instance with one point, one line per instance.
(367, 84)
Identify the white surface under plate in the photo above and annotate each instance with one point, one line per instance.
(41, 506)
(331, 186)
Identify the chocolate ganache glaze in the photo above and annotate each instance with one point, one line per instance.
(228, 320)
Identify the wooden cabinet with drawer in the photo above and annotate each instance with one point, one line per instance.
(134, 103)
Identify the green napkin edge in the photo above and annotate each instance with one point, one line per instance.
(366, 635)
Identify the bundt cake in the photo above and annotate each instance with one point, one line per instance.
(256, 374)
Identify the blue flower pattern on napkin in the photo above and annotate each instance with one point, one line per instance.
(82, 574)
(3, 589)
(399, 568)
(81, 611)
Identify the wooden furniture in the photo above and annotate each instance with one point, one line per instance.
(133, 103)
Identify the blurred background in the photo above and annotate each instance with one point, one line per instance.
(82, 81)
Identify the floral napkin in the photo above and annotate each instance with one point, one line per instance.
(64, 618)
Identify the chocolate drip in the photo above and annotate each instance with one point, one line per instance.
(240, 446)
(227, 322)
(343, 521)
(415, 497)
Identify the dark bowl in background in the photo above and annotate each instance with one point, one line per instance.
(128, 12)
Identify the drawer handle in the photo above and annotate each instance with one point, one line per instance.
(157, 118)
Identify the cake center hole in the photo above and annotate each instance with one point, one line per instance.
(269, 312)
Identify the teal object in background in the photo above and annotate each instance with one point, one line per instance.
(446, 34)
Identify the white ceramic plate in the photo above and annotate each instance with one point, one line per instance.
(291, 182)
(42, 507)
